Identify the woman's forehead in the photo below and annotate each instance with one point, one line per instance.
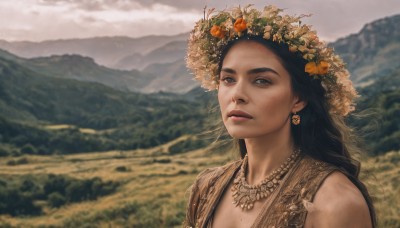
(251, 54)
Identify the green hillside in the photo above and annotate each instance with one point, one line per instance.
(120, 120)
(377, 114)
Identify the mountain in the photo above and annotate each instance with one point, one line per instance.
(373, 52)
(151, 80)
(121, 120)
(173, 77)
(106, 51)
(373, 59)
(169, 53)
(8, 55)
(37, 96)
(83, 69)
(163, 69)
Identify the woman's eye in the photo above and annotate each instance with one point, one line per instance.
(227, 80)
(262, 81)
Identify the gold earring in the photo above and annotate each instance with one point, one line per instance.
(295, 119)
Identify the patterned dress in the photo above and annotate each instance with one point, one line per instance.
(286, 207)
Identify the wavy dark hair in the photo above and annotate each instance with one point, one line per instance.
(321, 134)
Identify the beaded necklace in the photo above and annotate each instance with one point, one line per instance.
(244, 195)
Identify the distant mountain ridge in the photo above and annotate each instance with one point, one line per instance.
(169, 53)
(157, 56)
(172, 77)
(107, 51)
(83, 69)
(374, 51)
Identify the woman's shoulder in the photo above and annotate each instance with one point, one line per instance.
(212, 174)
(205, 182)
(338, 203)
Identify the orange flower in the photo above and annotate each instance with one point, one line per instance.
(323, 67)
(216, 31)
(240, 25)
(293, 48)
(311, 68)
(314, 68)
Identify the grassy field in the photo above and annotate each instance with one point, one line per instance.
(382, 176)
(153, 187)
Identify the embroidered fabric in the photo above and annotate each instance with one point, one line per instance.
(287, 208)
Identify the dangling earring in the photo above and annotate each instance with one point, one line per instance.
(295, 119)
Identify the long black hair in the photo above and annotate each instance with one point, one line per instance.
(321, 134)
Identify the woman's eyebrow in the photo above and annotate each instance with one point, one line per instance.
(262, 70)
(228, 70)
(252, 71)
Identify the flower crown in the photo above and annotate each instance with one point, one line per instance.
(215, 30)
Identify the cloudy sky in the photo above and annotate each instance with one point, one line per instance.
(37, 20)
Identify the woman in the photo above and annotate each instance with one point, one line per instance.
(283, 95)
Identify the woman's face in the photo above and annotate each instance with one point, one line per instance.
(255, 94)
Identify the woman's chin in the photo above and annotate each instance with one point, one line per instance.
(239, 135)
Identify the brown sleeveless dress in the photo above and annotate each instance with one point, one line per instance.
(284, 208)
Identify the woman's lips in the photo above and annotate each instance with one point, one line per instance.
(238, 115)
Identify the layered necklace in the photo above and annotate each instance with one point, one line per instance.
(244, 195)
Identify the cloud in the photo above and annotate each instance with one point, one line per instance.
(95, 5)
(54, 19)
(178, 4)
(98, 5)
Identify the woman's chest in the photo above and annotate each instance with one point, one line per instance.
(226, 214)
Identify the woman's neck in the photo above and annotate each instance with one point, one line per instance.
(265, 155)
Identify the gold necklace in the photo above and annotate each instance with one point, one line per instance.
(245, 195)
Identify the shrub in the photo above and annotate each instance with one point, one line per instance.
(182, 172)
(187, 145)
(19, 161)
(91, 189)
(55, 183)
(4, 152)
(55, 199)
(78, 191)
(15, 203)
(11, 163)
(162, 160)
(121, 169)
(28, 149)
(32, 188)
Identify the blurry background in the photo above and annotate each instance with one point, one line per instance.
(102, 125)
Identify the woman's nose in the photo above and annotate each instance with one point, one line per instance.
(239, 93)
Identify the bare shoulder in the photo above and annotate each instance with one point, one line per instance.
(338, 203)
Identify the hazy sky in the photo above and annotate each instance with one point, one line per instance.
(38, 20)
